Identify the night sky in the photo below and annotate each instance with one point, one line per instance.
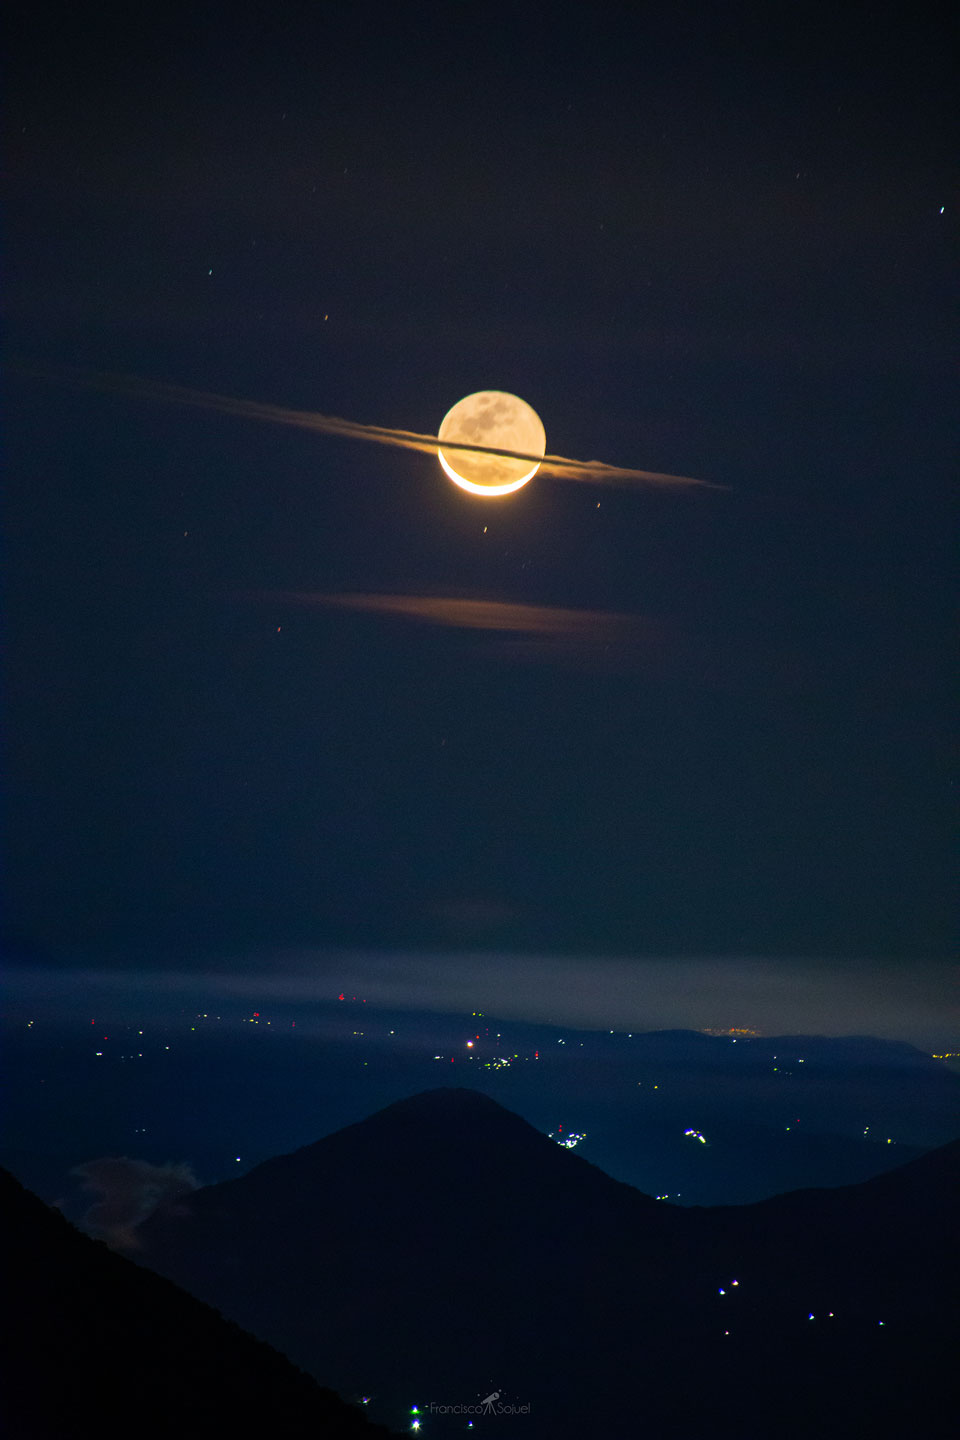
(251, 707)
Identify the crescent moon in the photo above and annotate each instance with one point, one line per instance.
(495, 419)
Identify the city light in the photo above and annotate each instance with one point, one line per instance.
(570, 1141)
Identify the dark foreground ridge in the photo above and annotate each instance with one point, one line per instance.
(443, 1248)
(95, 1345)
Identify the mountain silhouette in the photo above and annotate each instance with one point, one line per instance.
(95, 1345)
(443, 1248)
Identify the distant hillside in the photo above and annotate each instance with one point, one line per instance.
(97, 1346)
(443, 1248)
(853, 1109)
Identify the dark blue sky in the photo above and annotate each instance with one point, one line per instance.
(709, 242)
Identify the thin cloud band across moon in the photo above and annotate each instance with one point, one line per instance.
(490, 443)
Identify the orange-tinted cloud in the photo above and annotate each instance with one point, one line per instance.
(595, 471)
(465, 614)
(526, 632)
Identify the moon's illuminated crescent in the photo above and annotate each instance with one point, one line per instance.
(493, 418)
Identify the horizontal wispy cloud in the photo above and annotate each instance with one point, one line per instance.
(527, 631)
(774, 995)
(467, 614)
(595, 471)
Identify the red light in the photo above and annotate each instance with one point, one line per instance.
(256, 1014)
(340, 996)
